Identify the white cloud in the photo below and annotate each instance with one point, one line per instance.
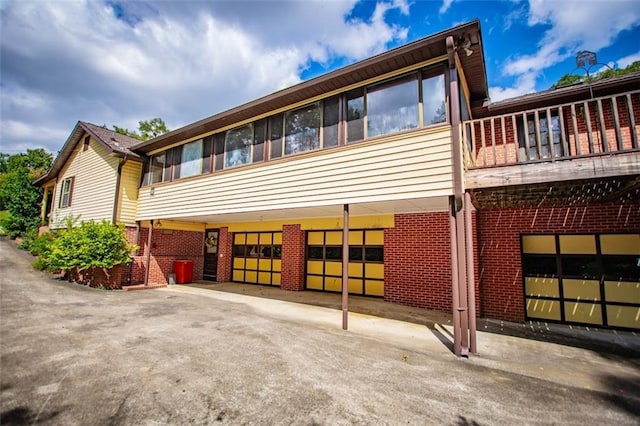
(446, 4)
(572, 26)
(119, 63)
(628, 60)
(525, 84)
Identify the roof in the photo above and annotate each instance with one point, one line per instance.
(115, 143)
(359, 72)
(561, 95)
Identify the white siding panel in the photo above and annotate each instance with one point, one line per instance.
(129, 185)
(413, 166)
(94, 185)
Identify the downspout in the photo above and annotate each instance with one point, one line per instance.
(148, 260)
(137, 242)
(458, 205)
(471, 274)
(345, 267)
(117, 196)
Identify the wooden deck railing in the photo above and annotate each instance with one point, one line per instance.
(594, 127)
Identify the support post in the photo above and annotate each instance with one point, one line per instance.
(345, 267)
(471, 274)
(148, 260)
(454, 277)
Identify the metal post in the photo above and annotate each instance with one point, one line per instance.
(345, 267)
(457, 347)
(471, 287)
(148, 261)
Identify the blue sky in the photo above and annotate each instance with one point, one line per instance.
(119, 62)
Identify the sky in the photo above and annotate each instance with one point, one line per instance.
(119, 62)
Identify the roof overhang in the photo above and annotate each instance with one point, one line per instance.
(358, 73)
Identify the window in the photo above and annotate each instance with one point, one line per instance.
(191, 163)
(66, 192)
(259, 137)
(330, 120)
(355, 115)
(392, 107)
(302, 129)
(539, 133)
(156, 168)
(237, 146)
(433, 99)
(85, 145)
(276, 131)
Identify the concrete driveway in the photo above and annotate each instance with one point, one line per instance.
(184, 355)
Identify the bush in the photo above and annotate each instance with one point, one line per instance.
(88, 247)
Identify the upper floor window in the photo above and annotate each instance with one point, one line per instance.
(416, 99)
(66, 192)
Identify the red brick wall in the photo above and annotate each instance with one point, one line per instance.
(225, 255)
(501, 286)
(293, 255)
(417, 261)
(166, 247)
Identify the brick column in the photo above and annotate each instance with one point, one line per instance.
(225, 255)
(293, 248)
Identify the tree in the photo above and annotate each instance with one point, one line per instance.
(148, 129)
(573, 78)
(17, 193)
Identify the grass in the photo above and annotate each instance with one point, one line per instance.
(3, 215)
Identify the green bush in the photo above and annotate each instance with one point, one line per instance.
(100, 245)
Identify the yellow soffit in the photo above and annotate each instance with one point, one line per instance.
(355, 222)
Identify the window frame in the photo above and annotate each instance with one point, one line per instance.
(66, 189)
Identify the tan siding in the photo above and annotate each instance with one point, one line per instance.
(400, 167)
(94, 185)
(129, 184)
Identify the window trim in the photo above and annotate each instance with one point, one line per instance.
(66, 190)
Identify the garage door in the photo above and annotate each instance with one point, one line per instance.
(366, 261)
(589, 279)
(256, 257)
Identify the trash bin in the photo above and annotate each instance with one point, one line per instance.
(183, 270)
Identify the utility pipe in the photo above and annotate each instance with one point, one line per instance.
(148, 261)
(345, 267)
(454, 277)
(116, 198)
(471, 274)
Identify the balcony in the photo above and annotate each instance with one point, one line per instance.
(594, 138)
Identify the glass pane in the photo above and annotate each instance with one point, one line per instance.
(239, 251)
(177, 159)
(237, 146)
(207, 150)
(373, 254)
(191, 164)
(275, 124)
(302, 130)
(157, 166)
(355, 115)
(539, 266)
(392, 107)
(260, 129)
(433, 100)
(580, 266)
(355, 253)
(277, 251)
(333, 253)
(623, 268)
(218, 151)
(167, 166)
(330, 122)
(314, 252)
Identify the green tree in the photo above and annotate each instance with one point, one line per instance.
(17, 194)
(147, 129)
(573, 78)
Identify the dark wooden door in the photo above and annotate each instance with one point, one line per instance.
(211, 254)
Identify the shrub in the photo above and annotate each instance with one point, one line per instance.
(85, 248)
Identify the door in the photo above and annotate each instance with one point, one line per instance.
(210, 272)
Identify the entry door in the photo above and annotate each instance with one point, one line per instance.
(211, 254)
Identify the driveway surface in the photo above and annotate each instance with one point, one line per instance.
(76, 356)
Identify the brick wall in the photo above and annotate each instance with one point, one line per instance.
(166, 247)
(417, 261)
(293, 255)
(498, 235)
(225, 255)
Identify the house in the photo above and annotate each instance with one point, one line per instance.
(433, 196)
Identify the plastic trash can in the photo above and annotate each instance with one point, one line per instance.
(183, 270)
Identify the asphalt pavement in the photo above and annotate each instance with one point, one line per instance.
(188, 355)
